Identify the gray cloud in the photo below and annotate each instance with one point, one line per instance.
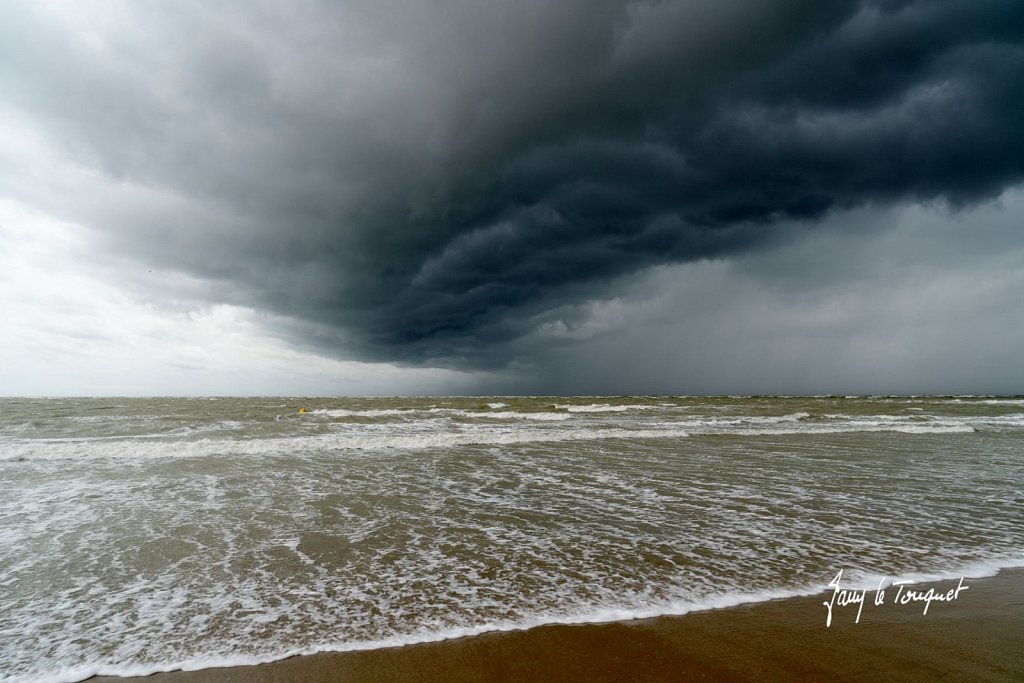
(423, 183)
(871, 301)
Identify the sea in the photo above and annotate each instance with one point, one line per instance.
(148, 534)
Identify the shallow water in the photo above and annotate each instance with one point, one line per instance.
(146, 534)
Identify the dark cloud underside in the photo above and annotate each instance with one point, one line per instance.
(421, 180)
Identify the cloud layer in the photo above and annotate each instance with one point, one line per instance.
(893, 301)
(423, 183)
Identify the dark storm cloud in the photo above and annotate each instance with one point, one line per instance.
(419, 181)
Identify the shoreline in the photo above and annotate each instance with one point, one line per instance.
(976, 636)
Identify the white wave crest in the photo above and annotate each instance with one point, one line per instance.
(594, 615)
(133, 449)
(342, 412)
(515, 415)
(601, 408)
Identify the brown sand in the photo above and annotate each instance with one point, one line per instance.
(978, 637)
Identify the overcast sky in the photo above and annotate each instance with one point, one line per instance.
(457, 196)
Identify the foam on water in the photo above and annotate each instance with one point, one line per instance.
(513, 415)
(340, 412)
(248, 534)
(993, 401)
(439, 427)
(146, 449)
(607, 615)
(601, 408)
(85, 671)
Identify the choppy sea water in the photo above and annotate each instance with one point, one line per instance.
(139, 535)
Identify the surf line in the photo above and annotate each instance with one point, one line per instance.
(850, 596)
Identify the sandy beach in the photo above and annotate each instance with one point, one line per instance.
(976, 637)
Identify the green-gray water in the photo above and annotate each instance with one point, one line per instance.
(145, 534)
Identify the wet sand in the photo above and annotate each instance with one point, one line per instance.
(977, 637)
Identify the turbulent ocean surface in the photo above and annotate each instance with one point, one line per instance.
(139, 535)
